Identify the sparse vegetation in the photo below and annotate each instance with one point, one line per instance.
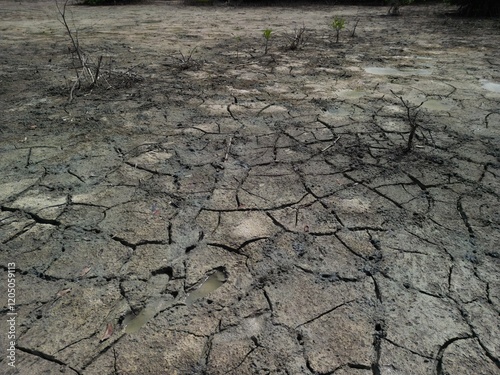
(238, 43)
(412, 113)
(337, 25)
(297, 38)
(184, 61)
(267, 36)
(353, 33)
(86, 70)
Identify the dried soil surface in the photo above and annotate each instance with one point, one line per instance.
(235, 212)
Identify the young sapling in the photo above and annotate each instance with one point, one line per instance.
(337, 25)
(267, 36)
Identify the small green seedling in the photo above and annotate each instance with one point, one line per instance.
(337, 25)
(238, 42)
(267, 35)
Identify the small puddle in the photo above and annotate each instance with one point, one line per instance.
(491, 86)
(437, 105)
(397, 72)
(351, 94)
(211, 283)
(382, 71)
(134, 323)
(342, 110)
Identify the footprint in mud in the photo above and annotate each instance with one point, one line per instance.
(211, 283)
(134, 323)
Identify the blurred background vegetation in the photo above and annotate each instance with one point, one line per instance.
(470, 8)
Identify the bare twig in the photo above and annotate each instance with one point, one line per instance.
(77, 83)
(297, 38)
(354, 30)
(228, 148)
(187, 61)
(88, 70)
(97, 70)
(74, 39)
(330, 146)
(411, 115)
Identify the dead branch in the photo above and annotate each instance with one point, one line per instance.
(296, 39)
(89, 71)
(73, 39)
(354, 29)
(411, 116)
(330, 146)
(97, 70)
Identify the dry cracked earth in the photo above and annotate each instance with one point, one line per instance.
(235, 212)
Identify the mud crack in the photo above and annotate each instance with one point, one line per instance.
(324, 313)
(440, 353)
(465, 219)
(46, 357)
(32, 215)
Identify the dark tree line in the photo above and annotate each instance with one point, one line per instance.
(478, 7)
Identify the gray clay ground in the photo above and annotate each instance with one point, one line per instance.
(282, 178)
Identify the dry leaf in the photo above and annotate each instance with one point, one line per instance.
(63, 292)
(107, 334)
(84, 271)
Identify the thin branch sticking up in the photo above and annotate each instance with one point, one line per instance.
(73, 38)
(411, 115)
(297, 39)
(89, 70)
(354, 29)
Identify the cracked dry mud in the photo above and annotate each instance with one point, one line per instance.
(246, 213)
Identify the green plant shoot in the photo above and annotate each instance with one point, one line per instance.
(238, 41)
(338, 24)
(267, 35)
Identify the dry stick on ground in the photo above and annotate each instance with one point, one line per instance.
(411, 116)
(228, 148)
(82, 58)
(330, 146)
(354, 30)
